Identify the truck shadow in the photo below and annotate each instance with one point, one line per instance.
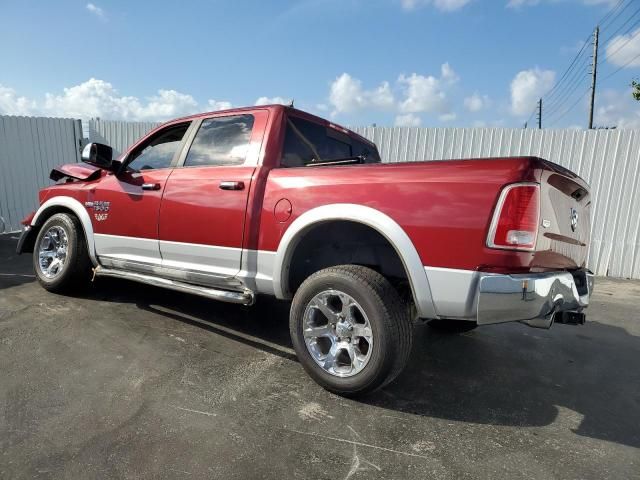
(508, 375)
(586, 377)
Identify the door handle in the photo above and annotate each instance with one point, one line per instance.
(231, 185)
(151, 186)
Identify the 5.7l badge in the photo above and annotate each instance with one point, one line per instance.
(100, 208)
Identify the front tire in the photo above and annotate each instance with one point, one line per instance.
(60, 256)
(350, 329)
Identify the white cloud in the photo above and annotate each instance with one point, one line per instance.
(529, 3)
(215, 105)
(423, 94)
(418, 94)
(347, 95)
(272, 101)
(624, 50)
(408, 120)
(527, 87)
(617, 109)
(448, 74)
(476, 102)
(12, 104)
(447, 117)
(97, 11)
(443, 5)
(97, 98)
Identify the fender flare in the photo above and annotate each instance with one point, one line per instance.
(79, 210)
(371, 217)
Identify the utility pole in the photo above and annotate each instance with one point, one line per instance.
(540, 114)
(594, 73)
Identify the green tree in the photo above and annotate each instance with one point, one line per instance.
(636, 90)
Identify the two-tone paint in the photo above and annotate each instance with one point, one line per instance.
(436, 215)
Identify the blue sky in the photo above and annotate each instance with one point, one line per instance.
(402, 62)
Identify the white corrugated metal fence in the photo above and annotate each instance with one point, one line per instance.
(29, 148)
(608, 159)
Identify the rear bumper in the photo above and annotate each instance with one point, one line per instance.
(534, 298)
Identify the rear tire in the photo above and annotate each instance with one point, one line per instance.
(60, 257)
(350, 329)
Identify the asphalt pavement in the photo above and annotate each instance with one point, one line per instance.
(130, 381)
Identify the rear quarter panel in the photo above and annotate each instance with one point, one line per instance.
(445, 207)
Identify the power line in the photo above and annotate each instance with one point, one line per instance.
(565, 86)
(613, 19)
(603, 20)
(558, 106)
(623, 25)
(620, 47)
(577, 79)
(549, 93)
(621, 67)
(581, 97)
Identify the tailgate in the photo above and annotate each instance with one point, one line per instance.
(565, 220)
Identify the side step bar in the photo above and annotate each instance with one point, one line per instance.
(246, 297)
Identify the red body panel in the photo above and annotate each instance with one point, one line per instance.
(132, 211)
(195, 209)
(445, 207)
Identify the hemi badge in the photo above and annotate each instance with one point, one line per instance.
(88, 204)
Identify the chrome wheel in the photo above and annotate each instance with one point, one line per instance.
(337, 333)
(52, 251)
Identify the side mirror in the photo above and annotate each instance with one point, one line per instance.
(98, 154)
(116, 166)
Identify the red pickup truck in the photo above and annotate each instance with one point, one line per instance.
(271, 200)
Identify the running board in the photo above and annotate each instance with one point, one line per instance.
(245, 297)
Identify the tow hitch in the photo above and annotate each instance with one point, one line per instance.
(570, 318)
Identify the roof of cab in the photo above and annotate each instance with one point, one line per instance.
(273, 107)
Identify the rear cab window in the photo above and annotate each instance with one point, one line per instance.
(307, 143)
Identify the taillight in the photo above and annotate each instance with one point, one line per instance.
(515, 221)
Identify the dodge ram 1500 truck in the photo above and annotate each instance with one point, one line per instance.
(271, 200)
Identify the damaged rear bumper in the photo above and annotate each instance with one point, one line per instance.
(536, 299)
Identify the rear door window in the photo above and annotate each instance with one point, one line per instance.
(221, 141)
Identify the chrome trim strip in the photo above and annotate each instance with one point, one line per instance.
(245, 297)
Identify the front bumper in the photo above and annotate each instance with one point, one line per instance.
(532, 298)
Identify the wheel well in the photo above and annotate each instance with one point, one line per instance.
(30, 242)
(343, 242)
